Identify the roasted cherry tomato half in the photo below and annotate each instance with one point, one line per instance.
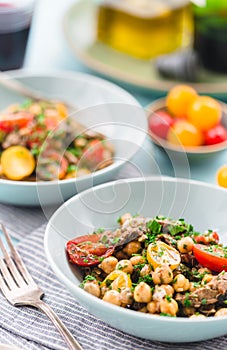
(159, 123)
(207, 238)
(213, 257)
(11, 121)
(88, 250)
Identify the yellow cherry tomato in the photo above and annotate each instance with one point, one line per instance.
(222, 176)
(118, 280)
(160, 253)
(179, 99)
(185, 134)
(17, 162)
(205, 112)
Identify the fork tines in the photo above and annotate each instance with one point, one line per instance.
(12, 268)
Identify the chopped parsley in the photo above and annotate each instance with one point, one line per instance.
(168, 298)
(154, 226)
(86, 279)
(166, 314)
(71, 168)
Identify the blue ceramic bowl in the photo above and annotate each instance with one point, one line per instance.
(100, 207)
(102, 106)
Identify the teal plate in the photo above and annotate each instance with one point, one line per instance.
(80, 31)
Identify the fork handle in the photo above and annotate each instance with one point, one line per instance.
(70, 340)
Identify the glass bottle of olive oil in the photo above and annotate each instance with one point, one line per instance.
(144, 28)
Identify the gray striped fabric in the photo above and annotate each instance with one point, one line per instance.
(30, 329)
(21, 221)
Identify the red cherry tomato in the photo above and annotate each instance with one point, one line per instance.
(212, 257)
(93, 154)
(207, 238)
(88, 250)
(11, 121)
(159, 123)
(215, 135)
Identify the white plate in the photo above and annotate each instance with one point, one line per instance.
(80, 32)
(101, 105)
(100, 207)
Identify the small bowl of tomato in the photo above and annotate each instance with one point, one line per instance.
(186, 122)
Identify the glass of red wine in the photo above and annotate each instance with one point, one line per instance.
(15, 22)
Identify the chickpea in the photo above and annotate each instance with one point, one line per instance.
(197, 316)
(207, 278)
(162, 275)
(146, 269)
(132, 248)
(35, 108)
(80, 142)
(71, 175)
(153, 307)
(125, 266)
(221, 312)
(137, 259)
(159, 293)
(181, 283)
(168, 289)
(169, 306)
(126, 296)
(124, 218)
(193, 286)
(142, 293)
(113, 297)
(204, 270)
(103, 291)
(82, 172)
(142, 238)
(108, 264)
(93, 288)
(185, 244)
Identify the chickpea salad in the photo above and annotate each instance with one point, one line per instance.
(158, 266)
(38, 142)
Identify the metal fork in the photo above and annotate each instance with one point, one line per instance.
(19, 288)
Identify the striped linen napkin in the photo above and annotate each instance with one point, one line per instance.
(21, 221)
(29, 329)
